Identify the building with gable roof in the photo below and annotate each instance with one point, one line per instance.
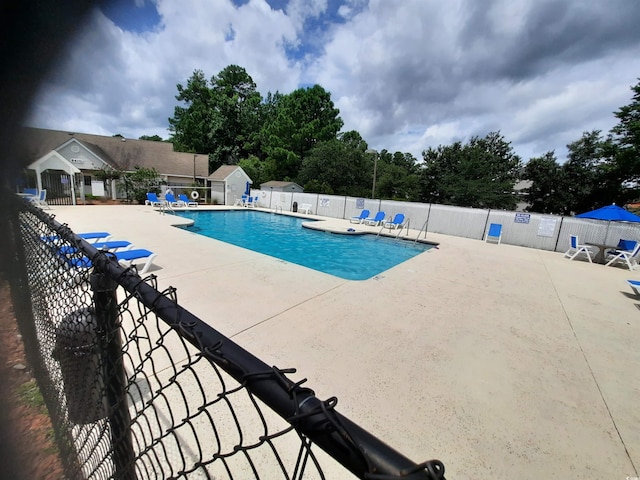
(228, 184)
(67, 163)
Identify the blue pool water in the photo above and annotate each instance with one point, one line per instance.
(353, 257)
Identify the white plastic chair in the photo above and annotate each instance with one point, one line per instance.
(577, 249)
(629, 257)
(495, 232)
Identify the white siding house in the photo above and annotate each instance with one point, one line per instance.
(228, 183)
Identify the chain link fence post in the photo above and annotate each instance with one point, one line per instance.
(106, 311)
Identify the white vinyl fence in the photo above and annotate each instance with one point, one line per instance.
(533, 230)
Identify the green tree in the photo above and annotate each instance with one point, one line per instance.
(153, 138)
(548, 190)
(191, 124)
(302, 119)
(478, 174)
(625, 140)
(220, 117)
(139, 182)
(591, 178)
(259, 171)
(338, 166)
(397, 176)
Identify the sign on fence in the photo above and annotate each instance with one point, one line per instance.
(522, 218)
(547, 227)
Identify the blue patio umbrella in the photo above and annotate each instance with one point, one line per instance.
(611, 213)
(247, 190)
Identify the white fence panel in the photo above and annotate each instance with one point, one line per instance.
(457, 221)
(533, 230)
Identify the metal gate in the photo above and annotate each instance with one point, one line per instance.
(58, 186)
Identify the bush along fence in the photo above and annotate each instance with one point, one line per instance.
(137, 387)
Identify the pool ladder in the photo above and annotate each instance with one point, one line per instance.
(275, 209)
(423, 229)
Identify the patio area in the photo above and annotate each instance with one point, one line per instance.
(498, 360)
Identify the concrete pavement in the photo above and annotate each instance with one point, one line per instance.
(500, 361)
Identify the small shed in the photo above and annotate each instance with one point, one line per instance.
(228, 183)
(276, 186)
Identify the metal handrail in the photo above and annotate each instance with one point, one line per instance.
(424, 228)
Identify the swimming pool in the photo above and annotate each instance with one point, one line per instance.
(353, 257)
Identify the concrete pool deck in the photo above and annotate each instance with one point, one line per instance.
(500, 361)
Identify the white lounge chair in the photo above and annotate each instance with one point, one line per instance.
(305, 208)
(628, 257)
(576, 249)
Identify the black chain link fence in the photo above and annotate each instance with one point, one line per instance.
(138, 387)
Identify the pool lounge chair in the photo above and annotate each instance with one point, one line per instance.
(153, 200)
(630, 258)
(187, 202)
(364, 214)
(576, 249)
(114, 245)
(171, 200)
(397, 222)
(126, 259)
(41, 200)
(377, 220)
(495, 232)
(95, 236)
(635, 286)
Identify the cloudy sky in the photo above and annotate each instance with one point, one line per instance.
(406, 74)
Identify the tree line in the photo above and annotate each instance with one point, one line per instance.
(298, 137)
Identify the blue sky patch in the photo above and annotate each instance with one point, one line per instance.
(130, 17)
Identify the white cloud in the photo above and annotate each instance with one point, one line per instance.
(406, 74)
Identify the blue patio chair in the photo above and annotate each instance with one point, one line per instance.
(126, 259)
(187, 202)
(377, 220)
(114, 245)
(495, 232)
(397, 222)
(364, 214)
(635, 286)
(171, 200)
(153, 200)
(630, 258)
(576, 249)
(40, 200)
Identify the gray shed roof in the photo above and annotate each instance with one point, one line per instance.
(122, 154)
(278, 184)
(223, 172)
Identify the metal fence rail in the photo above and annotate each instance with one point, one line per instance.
(138, 387)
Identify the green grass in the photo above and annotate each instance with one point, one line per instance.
(30, 395)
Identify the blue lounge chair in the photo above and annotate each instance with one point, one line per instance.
(187, 202)
(397, 222)
(495, 232)
(171, 200)
(95, 236)
(635, 286)
(41, 199)
(630, 258)
(364, 214)
(126, 258)
(111, 246)
(153, 200)
(576, 249)
(377, 220)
